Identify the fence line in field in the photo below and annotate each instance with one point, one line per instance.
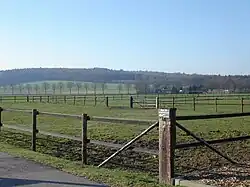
(133, 101)
(167, 124)
(145, 102)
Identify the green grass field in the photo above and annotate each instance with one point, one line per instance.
(187, 160)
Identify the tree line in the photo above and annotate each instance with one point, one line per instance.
(144, 81)
(60, 87)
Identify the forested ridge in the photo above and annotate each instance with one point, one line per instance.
(143, 79)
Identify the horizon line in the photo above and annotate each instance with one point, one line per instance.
(152, 71)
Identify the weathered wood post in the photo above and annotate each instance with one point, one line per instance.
(84, 100)
(216, 104)
(34, 129)
(242, 104)
(28, 99)
(167, 141)
(131, 102)
(74, 100)
(1, 124)
(41, 99)
(84, 138)
(194, 103)
(107, 101)
(65, 99)
(95, 100)
(173, 102)
(157, 103)
(48, 99)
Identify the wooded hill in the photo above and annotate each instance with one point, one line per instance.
(140, 78)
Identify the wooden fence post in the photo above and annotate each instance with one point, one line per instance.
(157, 103)
(194, 103)
(34, 129)
(167, 141)
(41, 99)
(216, 104)
(242, 104)
(95, 100)
(74, 100)
(173, 103)
(84, 138)
(65, 99)
(28, 99)
(1, 124)
(84, 100)
(131, 103)
(107, 101)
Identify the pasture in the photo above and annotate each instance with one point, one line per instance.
(195, 163)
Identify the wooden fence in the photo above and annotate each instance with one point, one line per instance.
(191, 101)
(136, 101)
(167, 124)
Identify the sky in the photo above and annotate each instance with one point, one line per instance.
(191, 36)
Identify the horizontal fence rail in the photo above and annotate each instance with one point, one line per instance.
(212, 116)
(121, 120)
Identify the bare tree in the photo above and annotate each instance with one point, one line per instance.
(104, 87)
(28, 88)
(45, 87)
(79, 86)
(60, 85)
(36, 88)
(54, 87)
(12, 87)
(120, 87)
(86, 87)
(128, 87)
(94, 87)
(5, 88)
(20, 86)
(70, 86)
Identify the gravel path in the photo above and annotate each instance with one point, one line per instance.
(227, 176)
(16, 171)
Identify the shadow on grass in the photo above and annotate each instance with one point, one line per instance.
(71, 150)
(188, 162)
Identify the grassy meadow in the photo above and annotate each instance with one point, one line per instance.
(187, 160)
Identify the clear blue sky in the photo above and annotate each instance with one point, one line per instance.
(192, 36)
